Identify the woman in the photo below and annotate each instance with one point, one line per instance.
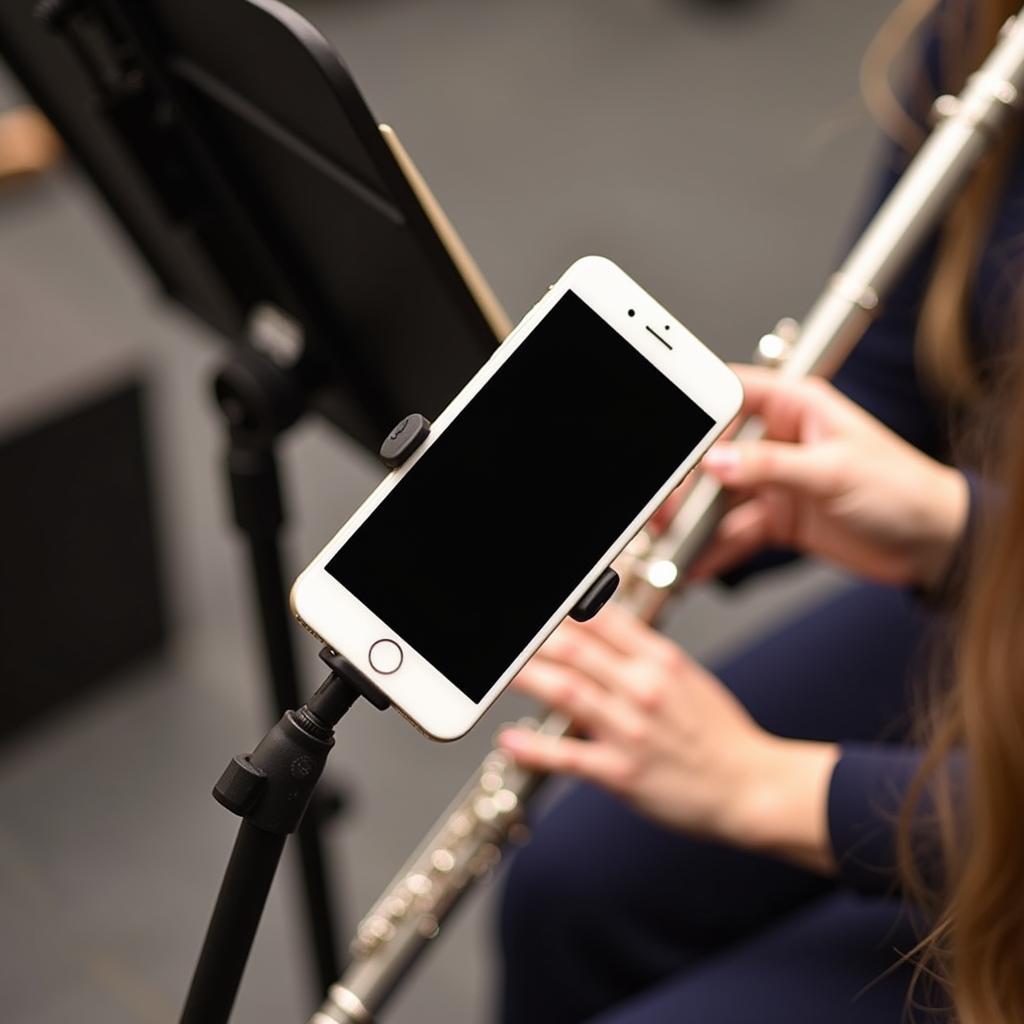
(603, 906)
(671, 740)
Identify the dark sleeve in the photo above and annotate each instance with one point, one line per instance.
(869, 787)
(981, 495)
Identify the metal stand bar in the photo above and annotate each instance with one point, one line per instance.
(270, 790)
(319, 894)
(259, 402)
(236, 916)
(255, 487)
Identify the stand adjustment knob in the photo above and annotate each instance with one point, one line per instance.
(404, 440)
(240, 787)
(596, 597)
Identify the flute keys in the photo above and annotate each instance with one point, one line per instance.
(443, 860)
(662, 574)
(419, 885)
(519, 834)
(485, 810)
(773, 349)
(461, 825)
(396, 907)
(505, 801)
(485, 859)
(373, 932)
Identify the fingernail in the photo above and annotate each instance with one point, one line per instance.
(722, 460)
(509, 739)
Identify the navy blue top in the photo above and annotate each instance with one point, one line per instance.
(870, 782)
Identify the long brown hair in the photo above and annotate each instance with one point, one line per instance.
(975, 949)
(966, 31)
(976, 946)
(987, 909)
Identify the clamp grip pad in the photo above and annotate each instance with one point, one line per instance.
(404, 440)
(596, 597)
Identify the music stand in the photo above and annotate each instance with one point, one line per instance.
(237, 152)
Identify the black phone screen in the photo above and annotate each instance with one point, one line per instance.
(523, 494)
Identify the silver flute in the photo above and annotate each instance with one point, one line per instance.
(466, 843)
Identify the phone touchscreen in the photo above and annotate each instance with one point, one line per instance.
(499, 521)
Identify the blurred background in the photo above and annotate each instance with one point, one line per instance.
(716, 150)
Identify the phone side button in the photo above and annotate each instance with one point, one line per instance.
(385, 657)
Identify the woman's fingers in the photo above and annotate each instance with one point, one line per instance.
(626, 634)
(780, 401)
(568, 690)
(586, 759)
(620, 654)
(806, 469)
(741, 534)
(583, 650)
(670, 506)
(617, 628)
(765, 390)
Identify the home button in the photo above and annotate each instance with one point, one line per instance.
(385, 657)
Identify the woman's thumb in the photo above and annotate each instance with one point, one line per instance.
(748, 464)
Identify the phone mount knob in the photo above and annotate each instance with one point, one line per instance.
(404, 440)
(596, 597)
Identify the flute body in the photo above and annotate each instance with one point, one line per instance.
(468, 839)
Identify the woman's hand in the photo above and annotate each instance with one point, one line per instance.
(669, 738)
(830, 480)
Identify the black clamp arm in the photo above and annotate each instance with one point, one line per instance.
(596, 596)
(340, 666)
(404, 440)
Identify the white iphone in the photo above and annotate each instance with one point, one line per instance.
(458, 566)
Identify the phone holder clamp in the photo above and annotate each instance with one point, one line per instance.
(404, 440)
(596, 597)
(345, 669)
(272, 786)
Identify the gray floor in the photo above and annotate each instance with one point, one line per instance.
(714, 149)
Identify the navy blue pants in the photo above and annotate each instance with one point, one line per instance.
(608, 917)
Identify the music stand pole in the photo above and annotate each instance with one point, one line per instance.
(271, 787)
(270, 790)
(258, 402)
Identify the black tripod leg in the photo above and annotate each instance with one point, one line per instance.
(232, 930)
(259, 512)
